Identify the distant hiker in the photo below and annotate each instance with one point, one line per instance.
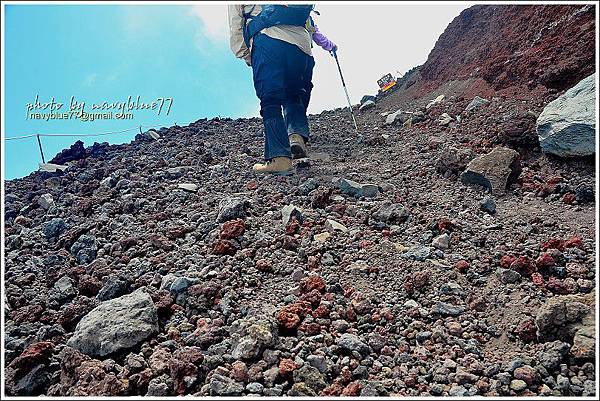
(277, 44)
(322, 41)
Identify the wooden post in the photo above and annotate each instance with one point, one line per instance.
(40, 145)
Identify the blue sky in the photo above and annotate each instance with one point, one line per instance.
(107, 53)
(100, 53)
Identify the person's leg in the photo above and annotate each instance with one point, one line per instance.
(308, 85)
(296, 70)
(268, 67)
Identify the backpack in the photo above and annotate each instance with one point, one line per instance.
(276, 14)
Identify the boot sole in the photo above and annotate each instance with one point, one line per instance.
(298, 152)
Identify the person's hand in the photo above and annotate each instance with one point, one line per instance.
(333, 50)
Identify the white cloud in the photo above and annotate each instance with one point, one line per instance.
(373, 39)
(214, 20)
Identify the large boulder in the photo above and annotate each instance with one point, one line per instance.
(494, 171)
(567, 125)
(116, 325)
(562, 316)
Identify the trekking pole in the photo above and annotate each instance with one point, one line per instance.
(347, 96)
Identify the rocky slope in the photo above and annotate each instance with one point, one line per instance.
(165, 267)
(510, 50)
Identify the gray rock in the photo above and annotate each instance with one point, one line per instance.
(353, 188)
(458, 391)
(311, 377)
(232, 208)
(398, 116)
(116, 325)
(351, 342)
(453, 160)
(180, 284)
(54, 228)
(446, 309)
(251, 336)
(85, 249)
(308, 186)
(373, 389)
(435, 101)
(157, 388)
(584, 343)
(255, 388)
(224, 386)
(188, 187)
(333, 225)
(494, 171)
(560, 316)
(366, 98)
(476, 103)
(289, 211)
(418, 253)
(567, 126)
(441, 241)
(113, 288)
(552, 354)
(509, 276)
(33, 382)
(65, 287)
(488, 205)
(318, 361)
(369, 104)
(46, 201)
(391, 213)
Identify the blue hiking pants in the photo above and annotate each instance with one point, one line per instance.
(279, 72)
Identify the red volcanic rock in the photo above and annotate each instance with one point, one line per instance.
(352, 389)
(233, 229)
(537, 279)
(286, 366)
(506, 261)
(523, 265)
(569, 198)
(462, 265)
(34, 354)
(545, 260)
(574, 242)
(264, 265)
(554, 243)
(224, 247)
(313, 282)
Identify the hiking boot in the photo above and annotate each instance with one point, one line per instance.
(275, 166)
(297, 146)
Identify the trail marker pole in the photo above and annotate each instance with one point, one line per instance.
(41, 150)
(347, 96)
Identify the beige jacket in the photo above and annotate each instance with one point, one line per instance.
(296, 35)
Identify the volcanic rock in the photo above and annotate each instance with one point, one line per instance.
(567, 126)
(116, 325)
(494, 171)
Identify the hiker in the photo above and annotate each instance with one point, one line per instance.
(277, 45)
(327, 45)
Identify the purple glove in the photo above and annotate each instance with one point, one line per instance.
(323, 41)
